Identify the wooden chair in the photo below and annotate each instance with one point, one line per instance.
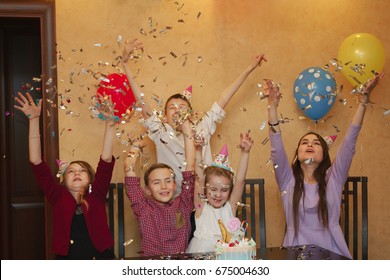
(118, 190)
(354, 188)
(254, 198)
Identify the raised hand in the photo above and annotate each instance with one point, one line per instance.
(246, 142)
(273, 93)
(104, 106)
(371, 84)
(28, 106)
(130, 47)
(256, 61)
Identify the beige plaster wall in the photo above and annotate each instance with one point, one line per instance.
(218, 38)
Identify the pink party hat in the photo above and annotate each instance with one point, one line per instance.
(187, 93)
(222, 159)
(62, 165)
(330, 139)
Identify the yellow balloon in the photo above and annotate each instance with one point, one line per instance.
(360, 54)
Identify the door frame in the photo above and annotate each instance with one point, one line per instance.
(45, 11)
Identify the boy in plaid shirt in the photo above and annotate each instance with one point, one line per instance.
(164, 221)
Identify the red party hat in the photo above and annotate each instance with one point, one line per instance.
(330, 139)
(187, 93)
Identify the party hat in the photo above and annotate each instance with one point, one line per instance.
(62, 165)
(187, 93)
(222, 159)
(330, 139)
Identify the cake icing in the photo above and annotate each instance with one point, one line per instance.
(234, 245)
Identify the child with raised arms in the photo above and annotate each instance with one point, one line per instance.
(217, 198)
(167, 136)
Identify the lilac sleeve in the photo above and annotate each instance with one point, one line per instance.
(342, 163)
(282, 168)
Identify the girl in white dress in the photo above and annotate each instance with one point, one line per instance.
(216, 197)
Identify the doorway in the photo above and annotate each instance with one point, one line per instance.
(27, 62)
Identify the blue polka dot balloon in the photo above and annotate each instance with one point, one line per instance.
(315, 92)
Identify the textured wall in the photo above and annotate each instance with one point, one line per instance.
(213, 42)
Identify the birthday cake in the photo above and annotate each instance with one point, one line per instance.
(234, 245)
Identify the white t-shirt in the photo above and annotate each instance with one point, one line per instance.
(170, 143)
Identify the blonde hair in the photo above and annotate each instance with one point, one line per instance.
(218, 171)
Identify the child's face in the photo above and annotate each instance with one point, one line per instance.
(173, 107)
(310, 147)
(76, 178)
(217, 190)
(162, 185)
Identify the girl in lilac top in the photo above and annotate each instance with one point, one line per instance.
(311, 187)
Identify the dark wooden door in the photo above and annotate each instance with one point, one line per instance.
(27, 54)
(22, 202)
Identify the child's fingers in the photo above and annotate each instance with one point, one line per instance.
(21, 103)
(23, 98)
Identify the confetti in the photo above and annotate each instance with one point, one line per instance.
(142, 31)
(263, 125)
(128, 242)
(240, 204)
(308, 161)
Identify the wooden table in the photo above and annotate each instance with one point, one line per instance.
(304, 252)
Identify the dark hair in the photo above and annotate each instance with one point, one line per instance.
(178, 96)
(157, 166)
(218, 171)
(319, 175)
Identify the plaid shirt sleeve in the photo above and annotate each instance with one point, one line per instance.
(187, 190)
(135, 194)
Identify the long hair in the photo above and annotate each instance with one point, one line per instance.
(91, 176)
(218, 171)
(319, 175)
(157, 166)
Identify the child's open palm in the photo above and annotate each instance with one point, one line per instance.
(28, 106)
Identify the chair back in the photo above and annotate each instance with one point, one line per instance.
(354, 213)
(254, 199)
(116, 194)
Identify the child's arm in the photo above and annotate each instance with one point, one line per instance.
(199, 182)
(189, 147)
(364, 100)
(131, 46)
(108, 141)
(245, 146)
(131, 161)
(228, 93)
(106, 109)
(32, 111)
